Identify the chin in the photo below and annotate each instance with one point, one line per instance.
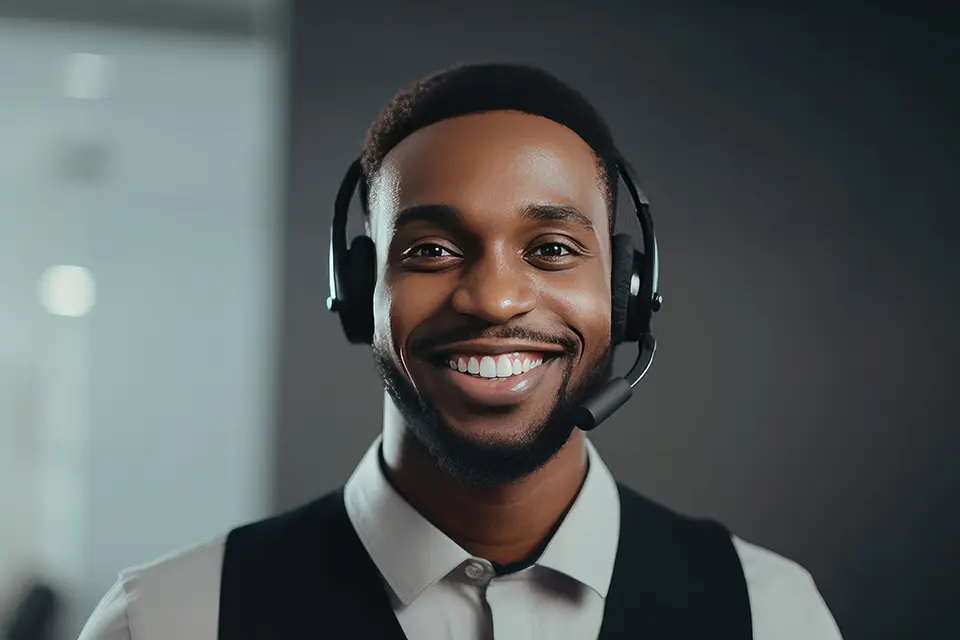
(479, 435)
(491, 449)
(510, 431)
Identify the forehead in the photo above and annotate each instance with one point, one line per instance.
(491, 165)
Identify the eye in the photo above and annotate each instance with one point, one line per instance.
(553, 251)
(429, 256)
(430, 251)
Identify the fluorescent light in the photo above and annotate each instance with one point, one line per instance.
(67, 290)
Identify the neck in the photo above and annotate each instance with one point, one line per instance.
(503, 523)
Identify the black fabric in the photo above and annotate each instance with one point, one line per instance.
(305, 574)
(675, 578)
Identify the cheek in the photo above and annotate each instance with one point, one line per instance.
(587, 309)
(401, 306)
(382, 304)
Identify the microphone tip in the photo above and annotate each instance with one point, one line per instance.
(601, 406)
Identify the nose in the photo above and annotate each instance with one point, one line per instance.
(496, 289)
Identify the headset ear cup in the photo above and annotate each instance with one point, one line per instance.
(361, 281)
(638, 313)
(622, 271)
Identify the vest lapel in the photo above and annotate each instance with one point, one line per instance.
(674, 578)
(303, 575)
(637, 605)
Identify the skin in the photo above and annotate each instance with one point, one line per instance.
(496, 476)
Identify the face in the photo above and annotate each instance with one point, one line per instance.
(492, 306)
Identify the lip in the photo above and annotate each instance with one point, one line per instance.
(491, 392)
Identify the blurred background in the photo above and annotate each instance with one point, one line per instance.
(168, 369)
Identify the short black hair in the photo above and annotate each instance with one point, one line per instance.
(477, 88)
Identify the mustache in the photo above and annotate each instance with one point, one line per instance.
(568, 343)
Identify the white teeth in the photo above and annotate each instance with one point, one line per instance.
(502, 366)
(488, 367)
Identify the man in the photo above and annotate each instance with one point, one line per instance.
(480, 512)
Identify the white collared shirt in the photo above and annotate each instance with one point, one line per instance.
(441, 592)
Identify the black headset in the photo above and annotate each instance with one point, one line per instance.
(635, 277)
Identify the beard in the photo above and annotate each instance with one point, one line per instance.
(476, 462)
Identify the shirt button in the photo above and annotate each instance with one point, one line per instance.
(478, 571)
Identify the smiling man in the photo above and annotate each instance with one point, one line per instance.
(481, 511)
(492, 309)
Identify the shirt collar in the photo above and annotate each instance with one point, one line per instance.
(412, 554)
(584, 547)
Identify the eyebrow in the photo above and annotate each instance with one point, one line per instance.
(441, 215)
(556, 213)
(447, 216)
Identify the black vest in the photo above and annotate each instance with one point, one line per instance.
(305, 575)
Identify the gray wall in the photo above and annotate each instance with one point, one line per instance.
(801, 168)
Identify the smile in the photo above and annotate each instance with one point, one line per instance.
(504, 365)
(487, 379)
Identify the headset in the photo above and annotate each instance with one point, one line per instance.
(634, 282)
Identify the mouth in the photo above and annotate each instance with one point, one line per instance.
(492, 376)
(493, 366)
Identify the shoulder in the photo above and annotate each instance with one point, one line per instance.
(785, 603)
(187, 582)
(178, 595)
(692, 543)
(784, 598)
